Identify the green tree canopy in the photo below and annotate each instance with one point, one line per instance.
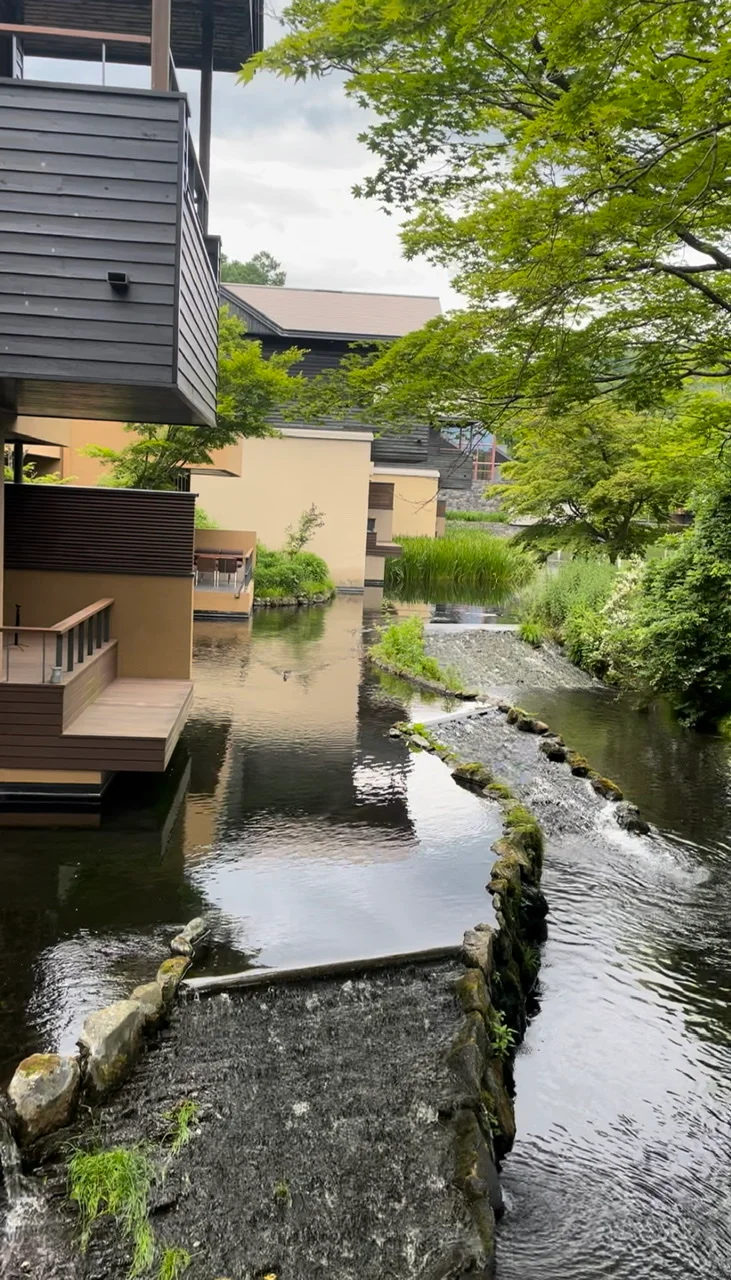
(249, 388)
(600, 478)
(568, 162)
(262, 268)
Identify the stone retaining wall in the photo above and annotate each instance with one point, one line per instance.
(47, 1087)
(501, 968)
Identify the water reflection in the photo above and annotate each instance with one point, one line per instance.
(289, 816)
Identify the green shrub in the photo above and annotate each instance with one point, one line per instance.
(533, 632)
(681, 616)
(467, 565)
(556, 593)
(402, 647)
(583, 633)
(282, 573)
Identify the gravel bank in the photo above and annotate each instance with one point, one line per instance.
(487, 660)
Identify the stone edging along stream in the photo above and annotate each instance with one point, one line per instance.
(47, 1087)
(501, 968)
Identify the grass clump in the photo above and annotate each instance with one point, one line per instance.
(467, 565)
(532, 631)
(173, 1264)
(477, 517)
(180, 1121)
(116, 1183)
(519, 821)
(282, 1194)
(401, 647)
(280, 574)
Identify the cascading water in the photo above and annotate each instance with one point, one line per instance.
(24, 1213)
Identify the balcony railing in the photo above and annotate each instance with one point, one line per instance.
(224, 571)
(46, 655)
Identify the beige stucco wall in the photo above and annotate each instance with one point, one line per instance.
(282, 477)
(414, 500)
(374, 568)
(152, 617)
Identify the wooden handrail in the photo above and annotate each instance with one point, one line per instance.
(106, 37)
(66, 624)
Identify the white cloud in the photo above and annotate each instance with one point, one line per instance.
(284, 161)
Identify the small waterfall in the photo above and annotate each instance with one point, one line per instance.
(10, 1164)
(22, 1223)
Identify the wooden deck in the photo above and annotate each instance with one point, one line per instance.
(139, 718)
(90, 720)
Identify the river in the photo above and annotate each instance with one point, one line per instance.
(306, 833)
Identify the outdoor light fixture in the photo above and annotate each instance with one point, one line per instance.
(119, 280)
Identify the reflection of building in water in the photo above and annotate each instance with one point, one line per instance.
(76, 909)
(300, 746)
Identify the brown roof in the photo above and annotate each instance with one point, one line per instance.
(336, 313)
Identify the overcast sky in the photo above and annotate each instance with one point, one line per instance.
(284, 161)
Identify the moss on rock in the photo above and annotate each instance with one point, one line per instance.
(472, 993)
(578, 765)
(606, 788)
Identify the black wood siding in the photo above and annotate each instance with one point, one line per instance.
(76, 530)
(92, 181)
(197, 326)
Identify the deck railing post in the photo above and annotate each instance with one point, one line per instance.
(80, 648)
(57, 669)
(90, 636)
(107, 622)
(99, 631)
(70, 650)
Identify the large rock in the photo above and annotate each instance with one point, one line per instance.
(149, 998)
(109, 1041)
(192, 939)
(606, 788)
(554, 749)
(171, 974)
(477, 949)
(44, 1092)
(628, 817)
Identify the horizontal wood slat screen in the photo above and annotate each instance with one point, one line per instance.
(96, 530)
(380, 496)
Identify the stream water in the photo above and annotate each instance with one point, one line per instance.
(307, 833)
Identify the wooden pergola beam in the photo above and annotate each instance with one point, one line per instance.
(160, 40)
(103, 37)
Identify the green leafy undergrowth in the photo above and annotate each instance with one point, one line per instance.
(401, 647)
(501, 1036)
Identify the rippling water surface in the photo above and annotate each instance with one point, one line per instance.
(290, 818)
(307, 833)
(622, 1165)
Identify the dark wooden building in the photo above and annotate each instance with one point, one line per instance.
(108, 276)
(327, 322)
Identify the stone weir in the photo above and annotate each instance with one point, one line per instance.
(341, 1125)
